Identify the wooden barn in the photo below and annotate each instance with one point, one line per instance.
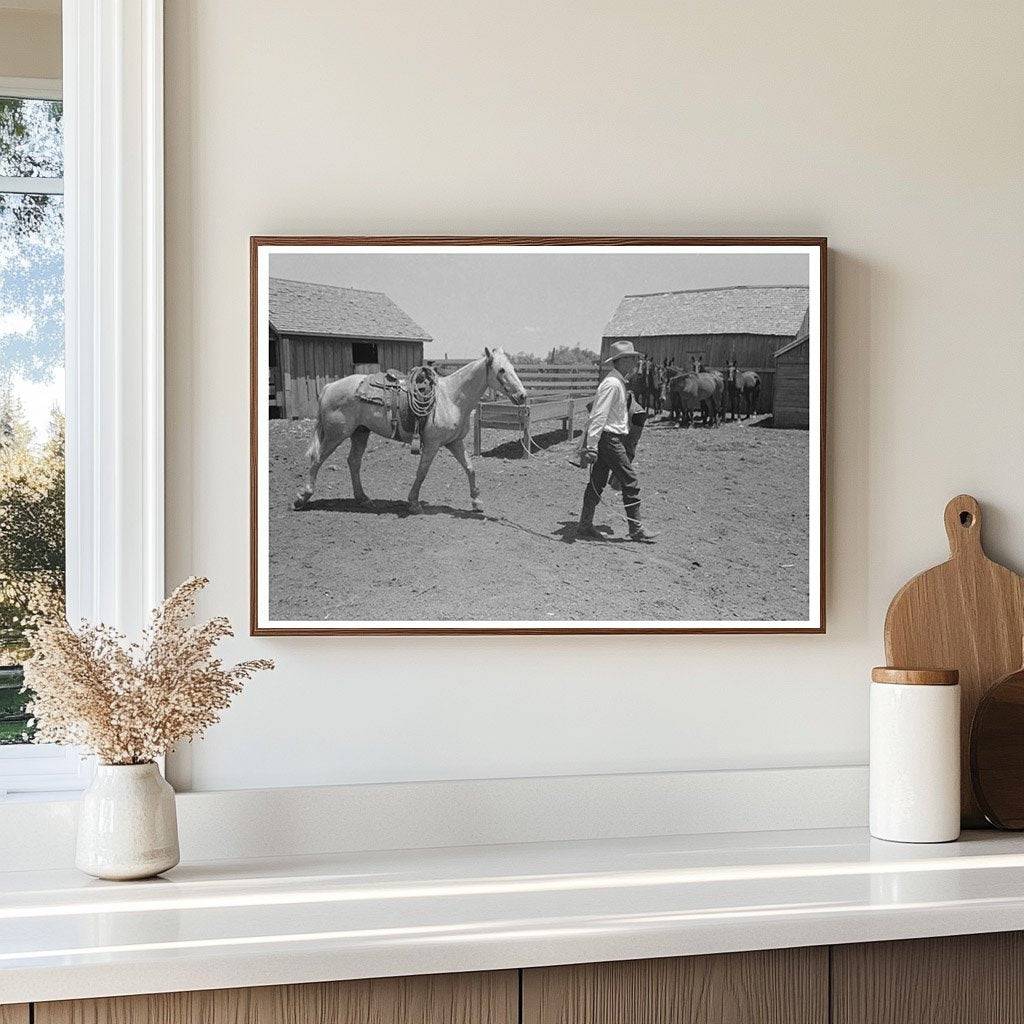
(746, 323)
(793, 380)
(320, 332)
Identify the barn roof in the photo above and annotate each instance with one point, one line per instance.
(803, 334)
(743, 309)
(299, 307)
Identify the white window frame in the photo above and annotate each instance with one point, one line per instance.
(114, 324)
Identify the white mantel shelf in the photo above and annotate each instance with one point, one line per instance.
(264, 922)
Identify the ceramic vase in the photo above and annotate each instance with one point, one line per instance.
(127, 825)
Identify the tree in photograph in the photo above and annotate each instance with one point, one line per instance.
(572, 354)
(525, 359)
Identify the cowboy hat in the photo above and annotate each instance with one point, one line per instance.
(620, 349)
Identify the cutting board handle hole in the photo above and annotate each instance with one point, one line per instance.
(966, 519)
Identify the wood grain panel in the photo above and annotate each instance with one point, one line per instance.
(963, 979)
(481, 998)
(779, 986)
(14, 1013)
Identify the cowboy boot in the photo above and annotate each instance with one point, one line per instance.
(638, 533)
(585, 529)
(636, 530)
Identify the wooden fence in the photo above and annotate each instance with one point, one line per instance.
(542, 378)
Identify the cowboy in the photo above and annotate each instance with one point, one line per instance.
(605, 448)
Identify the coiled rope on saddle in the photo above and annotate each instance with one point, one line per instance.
(422, 391)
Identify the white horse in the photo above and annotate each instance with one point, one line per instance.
(342, 415)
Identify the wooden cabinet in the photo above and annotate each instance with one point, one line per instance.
(491, 998)
(970, 979)
(777, 986)
(963, 979)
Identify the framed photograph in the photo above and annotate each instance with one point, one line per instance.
(537, 435)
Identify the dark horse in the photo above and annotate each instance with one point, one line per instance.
(685, 393)
(637, 384)
(742, 386)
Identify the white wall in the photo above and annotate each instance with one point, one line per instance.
(895, 129)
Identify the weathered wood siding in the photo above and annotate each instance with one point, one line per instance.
(793, 388)
(751, 351)
(309, 363)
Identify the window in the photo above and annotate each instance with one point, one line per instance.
(32, 547)
(364, 353)
(107, 143)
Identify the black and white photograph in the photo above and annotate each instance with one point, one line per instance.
(537, 435)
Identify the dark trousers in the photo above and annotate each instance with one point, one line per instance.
(612, 457)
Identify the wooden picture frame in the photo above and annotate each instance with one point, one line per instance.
(262, 248)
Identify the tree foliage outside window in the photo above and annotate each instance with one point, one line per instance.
(32, 552)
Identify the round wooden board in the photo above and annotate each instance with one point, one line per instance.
(997, 752)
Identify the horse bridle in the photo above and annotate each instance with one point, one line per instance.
(501, 374)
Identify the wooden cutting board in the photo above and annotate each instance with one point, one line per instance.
(967, 614)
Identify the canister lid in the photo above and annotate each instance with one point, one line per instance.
(916, 676)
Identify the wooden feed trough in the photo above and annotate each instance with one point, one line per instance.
(523, 419)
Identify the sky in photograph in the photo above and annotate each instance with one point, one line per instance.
(528, 302)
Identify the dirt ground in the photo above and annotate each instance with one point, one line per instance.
(730, 503)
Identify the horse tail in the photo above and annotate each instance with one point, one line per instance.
(313, 452)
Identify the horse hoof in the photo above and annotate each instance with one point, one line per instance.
(364, 502)
(478, 506)
(415, 508)
(301, 501)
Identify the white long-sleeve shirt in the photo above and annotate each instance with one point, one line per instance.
(609, 411)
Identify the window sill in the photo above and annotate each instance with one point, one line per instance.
(44, 771)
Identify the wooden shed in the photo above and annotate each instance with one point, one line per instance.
(746, 323)
(320, 333)
(793, 380)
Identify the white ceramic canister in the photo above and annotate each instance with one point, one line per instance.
(915, 755)
(127, 825)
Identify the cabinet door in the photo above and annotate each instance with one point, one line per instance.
(778, 986)
(482, 998)
(962, 979)
(14, 1013)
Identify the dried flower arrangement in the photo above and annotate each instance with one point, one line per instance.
(129, 703)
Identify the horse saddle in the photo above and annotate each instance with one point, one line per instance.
(408, 400)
